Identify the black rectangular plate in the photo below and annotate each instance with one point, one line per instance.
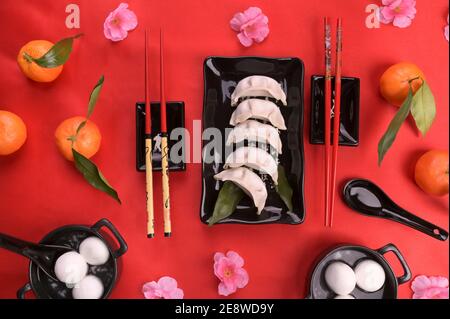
(175, 119)
(221, 75)
(349, 128)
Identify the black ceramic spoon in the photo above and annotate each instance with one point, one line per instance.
(368, 199)
(44, 256)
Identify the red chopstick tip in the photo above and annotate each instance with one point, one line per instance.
(162, 84)
(148, 124)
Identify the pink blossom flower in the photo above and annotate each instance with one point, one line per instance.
(446, 29)
(430, 287)
(251, 24)
(119, 22)
(165, 288)
(228, 268)
(399, 12)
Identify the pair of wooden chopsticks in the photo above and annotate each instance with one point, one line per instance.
(330, 177)
(164, 147)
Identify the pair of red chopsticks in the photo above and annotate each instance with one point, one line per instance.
(330, 177)
(164, 147)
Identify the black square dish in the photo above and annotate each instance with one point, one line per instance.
(221, 75)
(175, 119)
(349, 128)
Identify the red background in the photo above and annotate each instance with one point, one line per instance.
(40, 190)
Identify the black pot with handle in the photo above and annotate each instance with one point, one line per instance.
(352, 255)
(45, 287)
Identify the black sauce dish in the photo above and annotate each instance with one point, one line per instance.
(71, 236)
(175, 120)
(352, 255)
(350, 108)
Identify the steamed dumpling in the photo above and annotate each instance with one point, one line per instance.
(255, 131)
(249, 182)
(255, 158)
(260, 110)
(257, 85)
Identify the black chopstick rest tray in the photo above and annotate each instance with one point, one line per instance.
(175, 119)
(349, 128)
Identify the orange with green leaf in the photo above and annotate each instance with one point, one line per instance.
(404, 85)
(394, 83)
(78, 139)
(42, 61)
(87, 141)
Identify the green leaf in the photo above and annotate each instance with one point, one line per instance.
(284, 189)
(229, 197)
(423, 108)
(94, 95)
(393, 128)
(93, 175)
(57, 55)
(82, 124)
(92, 101)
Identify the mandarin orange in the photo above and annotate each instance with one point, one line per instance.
(13, 132)
(87, 142)
(431, 173)
(394, 83)
(36, 49)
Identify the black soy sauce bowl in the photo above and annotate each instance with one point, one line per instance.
(44, 287)
(352, 255)
(350, 109)
(175, 120)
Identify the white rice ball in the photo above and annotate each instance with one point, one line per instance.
(91, 287)
(71, 268)
(344, 297)
(94, 250)
(370, 275)
(340, 278)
